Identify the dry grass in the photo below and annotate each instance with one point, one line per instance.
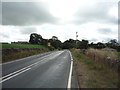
(93, 74)
(18, 55)
(105, 56)
(102, 54)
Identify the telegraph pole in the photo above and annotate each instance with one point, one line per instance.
(76, 38)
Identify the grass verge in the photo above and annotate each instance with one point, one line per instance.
(93, 74)
(22, 46)
(18, 55)
(102, 54)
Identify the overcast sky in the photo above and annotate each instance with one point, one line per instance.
(94, 20)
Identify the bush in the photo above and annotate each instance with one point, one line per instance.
(51, 48)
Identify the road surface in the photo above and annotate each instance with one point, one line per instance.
(48, 70)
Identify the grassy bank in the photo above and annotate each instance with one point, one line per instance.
(92, 74)
(18, 55)
(22, 46)
(13, 55)
(102, 54)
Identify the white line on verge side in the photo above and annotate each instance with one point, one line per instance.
(70, 74)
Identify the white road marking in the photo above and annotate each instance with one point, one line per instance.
(11, 75)
(70, 74)
(20, 70)
(15, 75)
(25, 58)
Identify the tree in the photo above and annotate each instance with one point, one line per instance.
(44, 42)
(54, 38)
(92, 45)
(35, 38)
(83, 44)
(112, 44)
(100, 45)
(55, 42)
(69, 44)
(66, 45)
(118, 48)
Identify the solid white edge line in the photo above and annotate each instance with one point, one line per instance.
(70, 74)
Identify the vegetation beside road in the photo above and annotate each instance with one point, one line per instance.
(93, 74)
(101, 54)
(28, 50)
(22, 46)
(18, 55)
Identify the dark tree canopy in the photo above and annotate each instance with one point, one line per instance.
(55, 42)
(83, 44)
(35, 38)
(54, 38)
(112, 43)
(68, 44)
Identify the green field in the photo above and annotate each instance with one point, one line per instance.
(22, 46)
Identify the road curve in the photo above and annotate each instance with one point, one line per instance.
(48, 70)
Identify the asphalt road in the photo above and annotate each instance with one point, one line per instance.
(48, 70)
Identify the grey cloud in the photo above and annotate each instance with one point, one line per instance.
(119, 34)
(119, 13)
(0, 13)
(3, 35)
(25, 13)
(96, 13)
(104, 30)
(28, 30)
(104, 40)
(108, 39)
(93, 40)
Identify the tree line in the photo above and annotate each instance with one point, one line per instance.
(68, 44)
